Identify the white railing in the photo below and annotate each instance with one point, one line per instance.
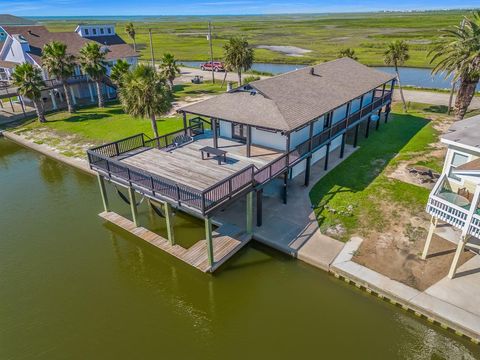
(474, 228)
(448, 212)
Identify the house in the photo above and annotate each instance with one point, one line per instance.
(23, 42)
(455, 198)
(237, 144)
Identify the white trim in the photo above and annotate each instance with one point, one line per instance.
(460, 145)
(449, 166)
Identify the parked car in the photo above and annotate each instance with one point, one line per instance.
(217, 66)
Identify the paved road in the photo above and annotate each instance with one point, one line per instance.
(434, 98)
(187, 74)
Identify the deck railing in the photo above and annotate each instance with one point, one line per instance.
(448, 212)
(104, 159)
(474, 228)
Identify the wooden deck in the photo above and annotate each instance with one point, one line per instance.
(225, 244)
(184, 165)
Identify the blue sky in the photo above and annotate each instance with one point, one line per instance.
(214, 7)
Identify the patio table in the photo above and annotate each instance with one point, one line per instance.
(453, 198)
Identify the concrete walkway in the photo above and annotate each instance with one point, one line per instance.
(452, 302)
(430, 97)
(292, 228)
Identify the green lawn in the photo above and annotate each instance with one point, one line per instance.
(325, 35)
(97, 125)
(100, 125)
(356, 192)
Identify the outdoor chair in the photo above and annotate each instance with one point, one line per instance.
(179, 140)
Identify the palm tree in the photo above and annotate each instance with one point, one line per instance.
(130, 30)
(61, 65)
(397, 54)
(120, 68)
(28, 79)
(92, 60)
(144, 94)
(169, 68)
(348, 52)
(238, 56)
(457, 53)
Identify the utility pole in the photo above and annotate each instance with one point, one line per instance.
(151, 49)
(211, 48)
(454, 83)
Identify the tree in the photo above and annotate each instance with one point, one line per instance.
(348, 52)
(169, 68)
(61, 65)
(130, 30)
(457, 53)
(396, 54)
(28, 79)
(144, 94)
(238, 56)
(92, 60)
(120, 68)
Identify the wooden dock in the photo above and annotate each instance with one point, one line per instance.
(225, 243)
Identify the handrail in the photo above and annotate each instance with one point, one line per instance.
(101, 158)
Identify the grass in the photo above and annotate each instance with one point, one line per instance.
(97, 125)
(325, 35)
(360, 182)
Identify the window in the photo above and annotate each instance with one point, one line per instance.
(109, 30)
(328, 121)
(457, 160)
(102, 31)
(86, 31)
(94, 31)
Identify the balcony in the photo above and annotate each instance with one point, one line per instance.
(456, 208)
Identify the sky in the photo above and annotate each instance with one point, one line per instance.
(216, 7)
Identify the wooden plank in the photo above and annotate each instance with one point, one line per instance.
(224, 246)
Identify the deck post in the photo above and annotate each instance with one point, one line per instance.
(54, 102)
(20, 98)
(133, 206)
(209, 239)
(342, 147)
(103, 192)
(377, 125)
(307, 170)
(73, 96)
(387, 112)
(259, 207)
(367, 130)
(215, 133)
(11, 104)
(431, 231)
(327, 153)
(249, 222)
(184, 117)
(456, 258)
(355, 140)
(285, 185)
(169, 221)
(92, 99)
(249, 140)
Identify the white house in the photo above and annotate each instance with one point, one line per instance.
(24, 43)
(455, 197)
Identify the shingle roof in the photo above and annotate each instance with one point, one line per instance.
(465, 132)
(473, 165)
(7, 19)
(7, 64)
(37, 36)
(288, 101)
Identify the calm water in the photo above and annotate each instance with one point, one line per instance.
(409, 76)
(72, 287)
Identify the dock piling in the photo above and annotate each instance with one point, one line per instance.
(103, 192)
(133, 206)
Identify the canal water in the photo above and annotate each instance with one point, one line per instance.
(410, 76)
(72, 287)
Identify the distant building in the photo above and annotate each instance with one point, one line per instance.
(23, 41)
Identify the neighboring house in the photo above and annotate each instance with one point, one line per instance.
(455, 197)
(24, 43)
(262, 135)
